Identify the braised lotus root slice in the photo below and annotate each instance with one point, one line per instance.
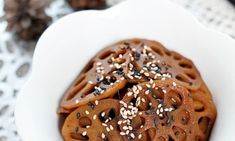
(100, 81)
(136, 61)
(154, 61)
(94, 121)
(162, 108)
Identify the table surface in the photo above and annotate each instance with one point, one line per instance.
(16, 56)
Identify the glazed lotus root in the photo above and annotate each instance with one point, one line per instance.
(117, 69)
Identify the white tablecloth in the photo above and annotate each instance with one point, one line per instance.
(16, 56)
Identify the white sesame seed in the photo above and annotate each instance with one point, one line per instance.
(94, 117)
(104, 124)
(161, 115)
(150, 104)
(159, 105)
(127, 132)
(96, 102)
(141, 126)
(153, 85)
(164, 91)
(141, 71)
(148, 85)
(139, 87)
(132, 135)
(88, 126)
(143, 100)
(146, 74)
(122, 133)
(87, 112)
(102, 114)
(76, 101)
(111, 127)
(174, 84)
(129, 93)
(102, 135)
(124, 127)
(161, 109)
(173, 100)
(157, 112)
(147, 92)
(98, 63)
(107, 128)
(140, 113)
(84, 133)
(119, 122)
(90, 82)
(139, 136)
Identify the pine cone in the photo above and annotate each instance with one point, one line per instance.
(26, 18)
(86, 4)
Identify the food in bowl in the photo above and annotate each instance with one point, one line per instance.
(138, 90)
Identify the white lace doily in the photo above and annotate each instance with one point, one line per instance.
(16, 56)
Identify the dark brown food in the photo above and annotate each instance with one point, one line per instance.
(86, 4)
(181, 108)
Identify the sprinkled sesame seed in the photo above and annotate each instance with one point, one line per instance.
(148, 85)
(87, 112)
(119, 122)
(140, 113)
(88, 126)
(90, 82)
(102, 135)
(102, 114)
(173, 100)
(161, 109)
(98, 63)
(76, 101)
(122, 133)
(84, 133)
(147, 92)
(143, 100)
(139, 136)
(146, 74)
(104, 124)
(164, 91)
(132, 135)
(96, 102)
(141, 126)
(94, 117)
(174, 84)
(107, 128)
(159, 105)
(127, 132)
(111, 127)
(129, 93)
(139, 87)
(157, 112)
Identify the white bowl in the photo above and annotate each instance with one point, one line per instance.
(67, 45)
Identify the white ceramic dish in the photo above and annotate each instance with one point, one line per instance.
(67, 45)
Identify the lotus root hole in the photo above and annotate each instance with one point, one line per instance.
(84, 122)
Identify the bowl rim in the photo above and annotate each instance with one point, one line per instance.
(108, 12)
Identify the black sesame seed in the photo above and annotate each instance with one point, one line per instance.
(113, 79)
(177, 133)
(91, 105)
(154, 96)
(76, 129)
(78, 115)
(120, 71)
(168, 122)
(147, 112)
(155, 122)
(110, 61)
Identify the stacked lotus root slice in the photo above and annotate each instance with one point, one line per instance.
(138, 90)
